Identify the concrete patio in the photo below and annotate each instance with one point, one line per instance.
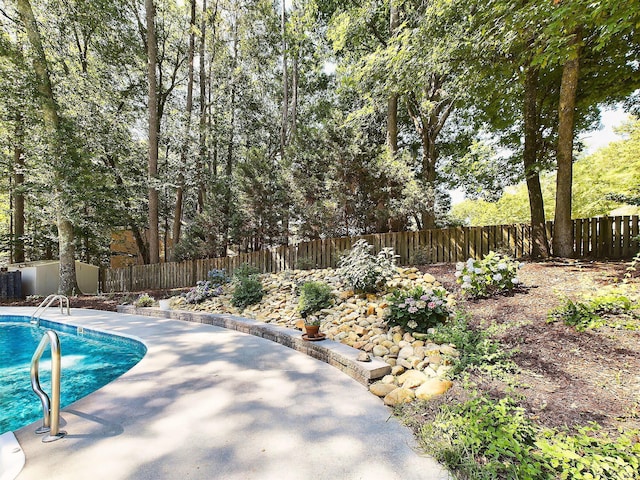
(211, 403)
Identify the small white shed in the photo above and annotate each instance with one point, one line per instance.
(43, 277)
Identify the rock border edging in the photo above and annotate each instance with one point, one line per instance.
(333, 353)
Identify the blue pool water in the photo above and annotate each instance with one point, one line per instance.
(90, 360)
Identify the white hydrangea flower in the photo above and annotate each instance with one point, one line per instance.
(502, 266)
(470, 263)
(478, 271)
(466, 279)
(412, 324)
(497, 277)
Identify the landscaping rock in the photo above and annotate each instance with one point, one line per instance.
(382, 389)
(380, 351)
(432, 388)
(355, 320)
(449, 350)
(412, 379)
(399, 396)
(363, 357)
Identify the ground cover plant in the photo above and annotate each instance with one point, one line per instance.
(483, 438)
(614, 309)
(203, 290)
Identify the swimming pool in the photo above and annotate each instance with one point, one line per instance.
(90, 360)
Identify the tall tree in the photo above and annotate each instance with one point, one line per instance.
(154, 127)
(563, 227)
(539, 240)
(392, 107)
(184, 151)
(68, 283)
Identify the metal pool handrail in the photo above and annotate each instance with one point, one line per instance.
(51, 408)
(47, 302)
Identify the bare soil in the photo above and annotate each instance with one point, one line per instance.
(566, 378)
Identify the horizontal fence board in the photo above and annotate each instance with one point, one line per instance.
(600, 237)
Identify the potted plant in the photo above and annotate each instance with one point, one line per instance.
(314, 296)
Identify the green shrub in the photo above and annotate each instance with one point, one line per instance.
(245, 271)
(493, 274)
(484, 439)
(145, 300)
(247, 291)
(314, 296)
(217, 277)
(488, 439)
(421, 256)
(305, 263)
(590, 454)
(418, 309)
(593, 313)
(476, 349)
(366, 272)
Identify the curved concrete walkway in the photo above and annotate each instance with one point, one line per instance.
(209, 403)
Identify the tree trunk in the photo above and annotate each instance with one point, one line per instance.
(428, 125)
(202, 157)
(392, 103)
(18, 193)
(68, 283)
(294, 98)
(563, 245)
(429, 160)
(177, 212)
(285, 81)
(152, 58)
(539, 243)
(227, 208)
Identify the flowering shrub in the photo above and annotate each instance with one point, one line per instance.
(218, 277)
(364, 271)
(418, 309)
(494, 273)
(202, 291)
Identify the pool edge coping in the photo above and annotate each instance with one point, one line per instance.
(336, 354)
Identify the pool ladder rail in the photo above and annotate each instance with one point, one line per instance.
(46, 303)
(50, 407)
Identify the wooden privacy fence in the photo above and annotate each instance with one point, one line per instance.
(601, 237)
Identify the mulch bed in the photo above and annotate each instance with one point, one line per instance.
(567, 378)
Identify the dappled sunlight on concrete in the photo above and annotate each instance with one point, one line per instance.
(208, 403)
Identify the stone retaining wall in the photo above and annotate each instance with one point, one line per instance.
(336, 354)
